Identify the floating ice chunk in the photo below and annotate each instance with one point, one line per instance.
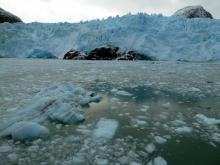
(114, 90)
(123, 160)
(59, 103)
(5, 148)
(166, 105)
(163, 115)
(202, 119)
(29, 131)
(76, 160)
(194, 89)
(123, 93)
(150, 148)
(105, 128)
(145, 108)
(114, 99)
(182, 130)
(178, 123)
(13, 157)
(34, 148)
(137, 122)
(26, 131)
(159, 161)
(134, 163)
(66, 114)
(160, 140)
(102, 161)
(216, 137)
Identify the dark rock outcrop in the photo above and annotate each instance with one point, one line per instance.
(193, 12)
(5, 16)
(74, 55)
(43, 54)
(104, 53)
(107, 53)
(132, 55)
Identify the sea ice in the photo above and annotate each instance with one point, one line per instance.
(5, 149)
(160, 140)
(25, 131)
(183, 130)
(57, 103)
(159, 161)
(105, 128)
(202, 119)
(123, 93)
(150, 148)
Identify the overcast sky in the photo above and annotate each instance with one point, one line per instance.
(77, 10)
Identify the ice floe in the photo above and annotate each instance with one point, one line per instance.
(159, 161)
(202, 119)
(120, 92)
(183, 130)
(105, 128)
(28, 131)
(160, 140)
(5, 149)
(57, 103)
(150, 148)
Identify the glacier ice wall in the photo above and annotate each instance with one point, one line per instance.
(166, 38)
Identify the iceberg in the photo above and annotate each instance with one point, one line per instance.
(57, 103)
(105, 129)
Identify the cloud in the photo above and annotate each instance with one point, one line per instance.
(76, 10)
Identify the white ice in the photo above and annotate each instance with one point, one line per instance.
(165, 38)
(160, 140)
(105, 128)
(202, 119)
(58, 103)
(150, 148)
(159, 161)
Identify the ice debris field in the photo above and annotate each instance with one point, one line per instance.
(164, 38)
(96, 114)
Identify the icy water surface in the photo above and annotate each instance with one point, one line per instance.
(150, 113)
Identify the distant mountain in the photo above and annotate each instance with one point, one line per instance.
(193, 12)
(5, 16)
(164, 38)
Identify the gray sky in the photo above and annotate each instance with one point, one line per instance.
(77, 10)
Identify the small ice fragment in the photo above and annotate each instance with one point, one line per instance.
(145, 108)
(34, 148)
(160, 140)
(182, 130)
(114, 90)
(123, 93)
(65, 114)
(166, 105)
(159, 161)
(101, 162)
(5, 148)
(216, 137)
(178, 123)
(78, 160)
(114, 99)
(150, 148)
(194, 89)
(105, 128)
(28, 131)
(13, 157)
(202, 119)
(134, 163)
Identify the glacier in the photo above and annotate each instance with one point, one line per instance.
(165, 38)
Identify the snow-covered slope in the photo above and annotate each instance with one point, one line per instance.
(166, 38)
